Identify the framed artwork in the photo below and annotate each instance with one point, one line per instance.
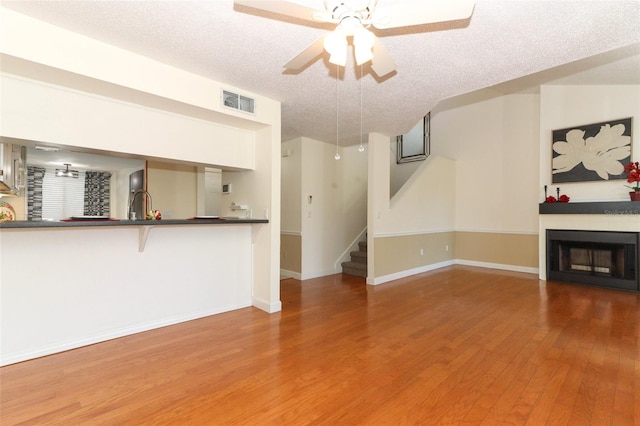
(415, 145)
(591, 152)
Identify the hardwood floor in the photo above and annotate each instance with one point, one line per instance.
(459, 345)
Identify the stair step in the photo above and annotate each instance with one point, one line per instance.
(362, 245)
(355, 265)
(354, 272)
(359, 256)
(354, 268)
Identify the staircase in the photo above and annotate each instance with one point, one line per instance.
(358, 264)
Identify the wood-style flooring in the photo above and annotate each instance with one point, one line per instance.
(460, 345)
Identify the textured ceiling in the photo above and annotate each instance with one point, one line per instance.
(503, 41)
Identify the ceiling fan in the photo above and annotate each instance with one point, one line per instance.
(353, 18)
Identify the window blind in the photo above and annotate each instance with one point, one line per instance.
(62, 197)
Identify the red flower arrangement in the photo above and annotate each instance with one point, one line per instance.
(563, 199)
(633, 175)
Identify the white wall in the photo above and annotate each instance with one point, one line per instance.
(266, 239)
(38, 47)
(291, 181)
(494, 140)
(400, 173)
(100, 286)
(259, 189)
(32, 110)
(565, 106)
(337, 212)
(63, 88)
(424, 204)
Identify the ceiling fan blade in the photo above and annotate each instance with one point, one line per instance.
(288, 9)
(306, 56)
(421, 12)
(381, 64)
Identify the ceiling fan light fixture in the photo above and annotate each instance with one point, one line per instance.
(363, 37)
(350, 25)
(335, 41)
(355, 16)
(363, 41)
(363, 55)
(339, 57)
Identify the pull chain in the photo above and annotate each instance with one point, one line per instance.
(361, 147)
(337, 156)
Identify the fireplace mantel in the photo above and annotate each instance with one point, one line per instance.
(605, 207)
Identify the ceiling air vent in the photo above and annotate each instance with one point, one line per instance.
(239, 102)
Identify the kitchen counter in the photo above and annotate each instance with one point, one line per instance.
(116, 222)
(71, 284)
(143, 226)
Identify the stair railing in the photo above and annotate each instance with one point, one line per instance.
(345, 254)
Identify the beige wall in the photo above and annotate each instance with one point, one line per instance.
(401, 253)
(291, 253)
(173, 189)
(398, 254)
(497, 248)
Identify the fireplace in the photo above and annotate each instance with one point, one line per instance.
(599, 258)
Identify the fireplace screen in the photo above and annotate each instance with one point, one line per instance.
(589, 257)
(600, 260)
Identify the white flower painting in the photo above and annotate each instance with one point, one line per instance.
(592, 152)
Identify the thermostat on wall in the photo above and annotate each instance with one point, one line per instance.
(226, 188)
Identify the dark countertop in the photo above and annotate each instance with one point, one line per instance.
(16, 224)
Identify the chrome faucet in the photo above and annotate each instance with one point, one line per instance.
(132, 199)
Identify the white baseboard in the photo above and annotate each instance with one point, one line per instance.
(299, 276)
(266, 306)
(113, 334)
(513, 268)
(290, 274)
(408, 273)
(415, 271)
(319, 274)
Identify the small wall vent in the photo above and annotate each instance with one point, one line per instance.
(238, 102)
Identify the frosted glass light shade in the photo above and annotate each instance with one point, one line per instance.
(335, 41)
(363, 40)
(363, 54)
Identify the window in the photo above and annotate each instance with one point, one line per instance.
(62, 197)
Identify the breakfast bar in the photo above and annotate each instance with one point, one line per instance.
(91, 281)
(143, 226)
